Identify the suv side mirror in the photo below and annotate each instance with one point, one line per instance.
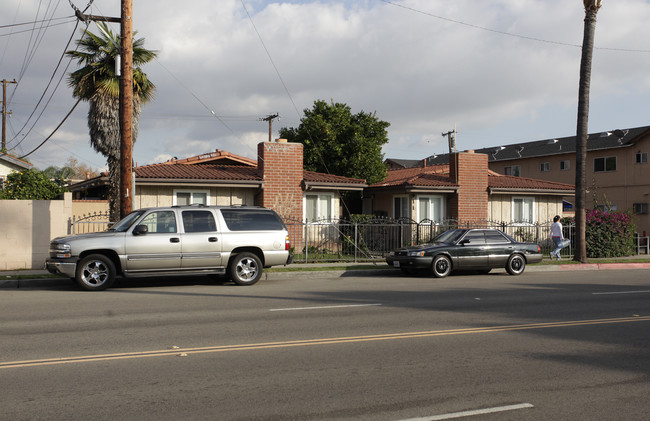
(140, 230)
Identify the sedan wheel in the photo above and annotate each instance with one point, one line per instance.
(441, 266)
(516, 264)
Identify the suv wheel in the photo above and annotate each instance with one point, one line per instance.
(245, 269)
(95, 272)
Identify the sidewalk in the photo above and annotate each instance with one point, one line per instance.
(41, 277)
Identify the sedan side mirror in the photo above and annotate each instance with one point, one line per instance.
(140, 230)
(465, 241)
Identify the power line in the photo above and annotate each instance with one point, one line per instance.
(510, 34)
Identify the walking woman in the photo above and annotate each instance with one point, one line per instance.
(557, 236)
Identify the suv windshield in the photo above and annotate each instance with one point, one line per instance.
(126, 222)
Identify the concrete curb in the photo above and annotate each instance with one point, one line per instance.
(381, 270)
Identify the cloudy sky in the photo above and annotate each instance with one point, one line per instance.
(500, 71)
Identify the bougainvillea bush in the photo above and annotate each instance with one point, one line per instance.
(609, 234)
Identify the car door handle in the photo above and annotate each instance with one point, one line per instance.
(174, 240)
(212, 239)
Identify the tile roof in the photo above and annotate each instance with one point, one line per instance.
(219, 172)
(317, 177)
(438, 176)
(223, 157)
(434, 176)
(547, 147)
(175, 171)
(510, 182)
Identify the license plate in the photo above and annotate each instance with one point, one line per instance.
(396, 264)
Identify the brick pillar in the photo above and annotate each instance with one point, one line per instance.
(470, 171)
(280, 164)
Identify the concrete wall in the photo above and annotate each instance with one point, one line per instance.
(26, 228)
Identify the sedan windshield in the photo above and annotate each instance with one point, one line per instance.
(450, 236)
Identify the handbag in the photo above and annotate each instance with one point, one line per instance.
(562, 244)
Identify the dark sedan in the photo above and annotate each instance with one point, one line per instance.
(467, 249)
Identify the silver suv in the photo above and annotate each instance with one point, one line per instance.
(234, 241)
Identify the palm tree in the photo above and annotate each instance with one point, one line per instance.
(591, 9)
(97, 83)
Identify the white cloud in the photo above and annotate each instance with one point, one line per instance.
(422, 65)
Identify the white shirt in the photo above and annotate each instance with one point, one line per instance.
(556, 230)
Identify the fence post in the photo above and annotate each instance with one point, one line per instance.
(356, 240)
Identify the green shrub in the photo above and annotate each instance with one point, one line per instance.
(609, 234)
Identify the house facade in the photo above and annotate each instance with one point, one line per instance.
(464, 189)
(618, 174)
(9, 164)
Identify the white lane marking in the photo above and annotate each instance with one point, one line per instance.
(324, 307)
(473, 413)
(620, 292)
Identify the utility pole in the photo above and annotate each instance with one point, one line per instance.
(270, 119)
(4, 113)
(126, 110)
(451, 139)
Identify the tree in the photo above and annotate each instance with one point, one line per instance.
(97, 83)
(341, 143)
(591, 9)
(31, 184)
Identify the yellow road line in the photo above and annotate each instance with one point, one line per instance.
(312, 342)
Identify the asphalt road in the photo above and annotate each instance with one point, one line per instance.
(561, 345)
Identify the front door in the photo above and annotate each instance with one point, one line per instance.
(472, 251)
(159, 248)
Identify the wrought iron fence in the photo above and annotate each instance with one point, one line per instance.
(371, 240)
(94, 222)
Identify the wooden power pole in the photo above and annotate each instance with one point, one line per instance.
(4, 113)
(270, 119)
(126, 110)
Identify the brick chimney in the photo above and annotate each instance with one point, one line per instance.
(470, 171)
(280, 164)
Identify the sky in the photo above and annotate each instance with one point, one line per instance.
(500, 72)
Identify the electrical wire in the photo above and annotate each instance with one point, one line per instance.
(54, 131)
(510, 34)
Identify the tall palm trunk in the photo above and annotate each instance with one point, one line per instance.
(104, 125)
(591, 9)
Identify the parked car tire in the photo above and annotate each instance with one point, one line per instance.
(245, 269)
(95, 272)
(516, 264)
(441, 266)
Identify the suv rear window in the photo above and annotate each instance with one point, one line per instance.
(252, 220)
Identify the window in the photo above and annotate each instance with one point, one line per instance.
(252, 220)
(640, 208)
(606, 164)
(401, 207)
(495, 237)
(545, 167)
(430, 207)
(512, 170)
(475, 237)
(523, 210)
(160, 221)
(198, 221)
(565, 165)
(641, 157)
(319, 207)
(191, 197)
